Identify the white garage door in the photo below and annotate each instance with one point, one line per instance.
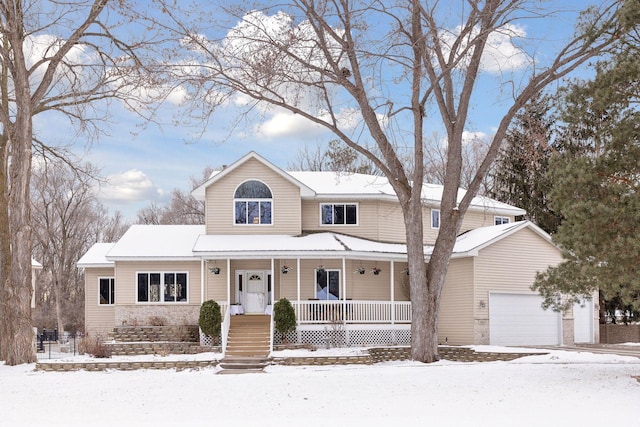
(517, 319)
(583, 322)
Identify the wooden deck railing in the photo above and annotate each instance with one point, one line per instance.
(351, 311)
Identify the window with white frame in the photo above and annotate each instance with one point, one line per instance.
(435, 218)
(162, 287)
(107, 290)
(327, 284)
(339, 213)
(499, 220)
(253, 203)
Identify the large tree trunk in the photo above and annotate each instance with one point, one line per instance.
(5, 240)
(17, 329)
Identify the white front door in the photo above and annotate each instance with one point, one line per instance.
(255, 293)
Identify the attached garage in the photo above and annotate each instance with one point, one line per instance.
(518, 319)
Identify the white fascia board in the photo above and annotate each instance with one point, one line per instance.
(503, 210)
(95, 265)
(153, 258)
(304, 255)
(352, 197)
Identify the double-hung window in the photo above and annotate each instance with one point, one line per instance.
(107, 290)
(162, 287)
(435, 218)
(339, 213)
(253, 203)
(327, 284)
(499, 220)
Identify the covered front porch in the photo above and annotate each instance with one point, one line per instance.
(342, 295)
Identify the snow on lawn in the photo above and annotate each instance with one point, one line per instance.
(561, 387)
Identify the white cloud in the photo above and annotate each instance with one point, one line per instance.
(473, 137)
(283, 123)
(130, 186)
(501, 54)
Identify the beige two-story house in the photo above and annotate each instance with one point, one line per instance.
(334, 245)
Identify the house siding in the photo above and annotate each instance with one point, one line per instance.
(509, 265)
(128, 310)
(480, 218)
(455, 318)
(99, 319)
(286, 209)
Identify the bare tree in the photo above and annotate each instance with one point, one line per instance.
(56, 58)
(183, 208)
(376, 73)
(337, 156)
(67, 220)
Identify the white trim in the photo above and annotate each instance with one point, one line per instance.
(502, 219)
(431, 212)
(356, 204)
(200, 192)
(161, 273)
(113, 278)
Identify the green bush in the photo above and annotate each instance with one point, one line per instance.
(210, 318)
(285, 317)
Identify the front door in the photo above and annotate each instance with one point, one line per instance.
(255, 296)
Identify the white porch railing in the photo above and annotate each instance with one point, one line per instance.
(350, 311)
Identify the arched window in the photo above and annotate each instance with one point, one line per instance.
(253, 203)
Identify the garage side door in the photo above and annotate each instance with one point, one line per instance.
(517, 319)
(583, 322)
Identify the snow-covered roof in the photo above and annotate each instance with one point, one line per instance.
(165, 242)
(96, 256)
(188, 242)
(35, 264)
(308, 246)
(354, 186)
(474, 240)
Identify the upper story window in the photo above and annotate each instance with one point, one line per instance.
(435, 218)
(253, 203)
(107, 290)
(499, 220)
(162, 287)
(339, 214)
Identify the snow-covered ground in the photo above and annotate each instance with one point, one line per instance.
(559, 388)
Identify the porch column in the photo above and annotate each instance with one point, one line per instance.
(273, 283)
(228, 283)
(393, 286)
(299, 333)
(344, 273)
(202, 277)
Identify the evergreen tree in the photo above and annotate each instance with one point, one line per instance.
(596, 187)
(520, 176)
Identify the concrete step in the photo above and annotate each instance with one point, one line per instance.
(244, 363)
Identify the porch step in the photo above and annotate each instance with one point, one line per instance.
(249, 337)
(244, 363)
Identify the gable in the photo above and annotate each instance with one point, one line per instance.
(285, 204)
(524, 251)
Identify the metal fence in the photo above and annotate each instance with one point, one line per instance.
(52, 345)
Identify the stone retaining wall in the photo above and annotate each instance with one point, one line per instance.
(616, 334)
(123, 366)
(376, 355)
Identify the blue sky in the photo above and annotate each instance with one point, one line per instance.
(145, 162)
